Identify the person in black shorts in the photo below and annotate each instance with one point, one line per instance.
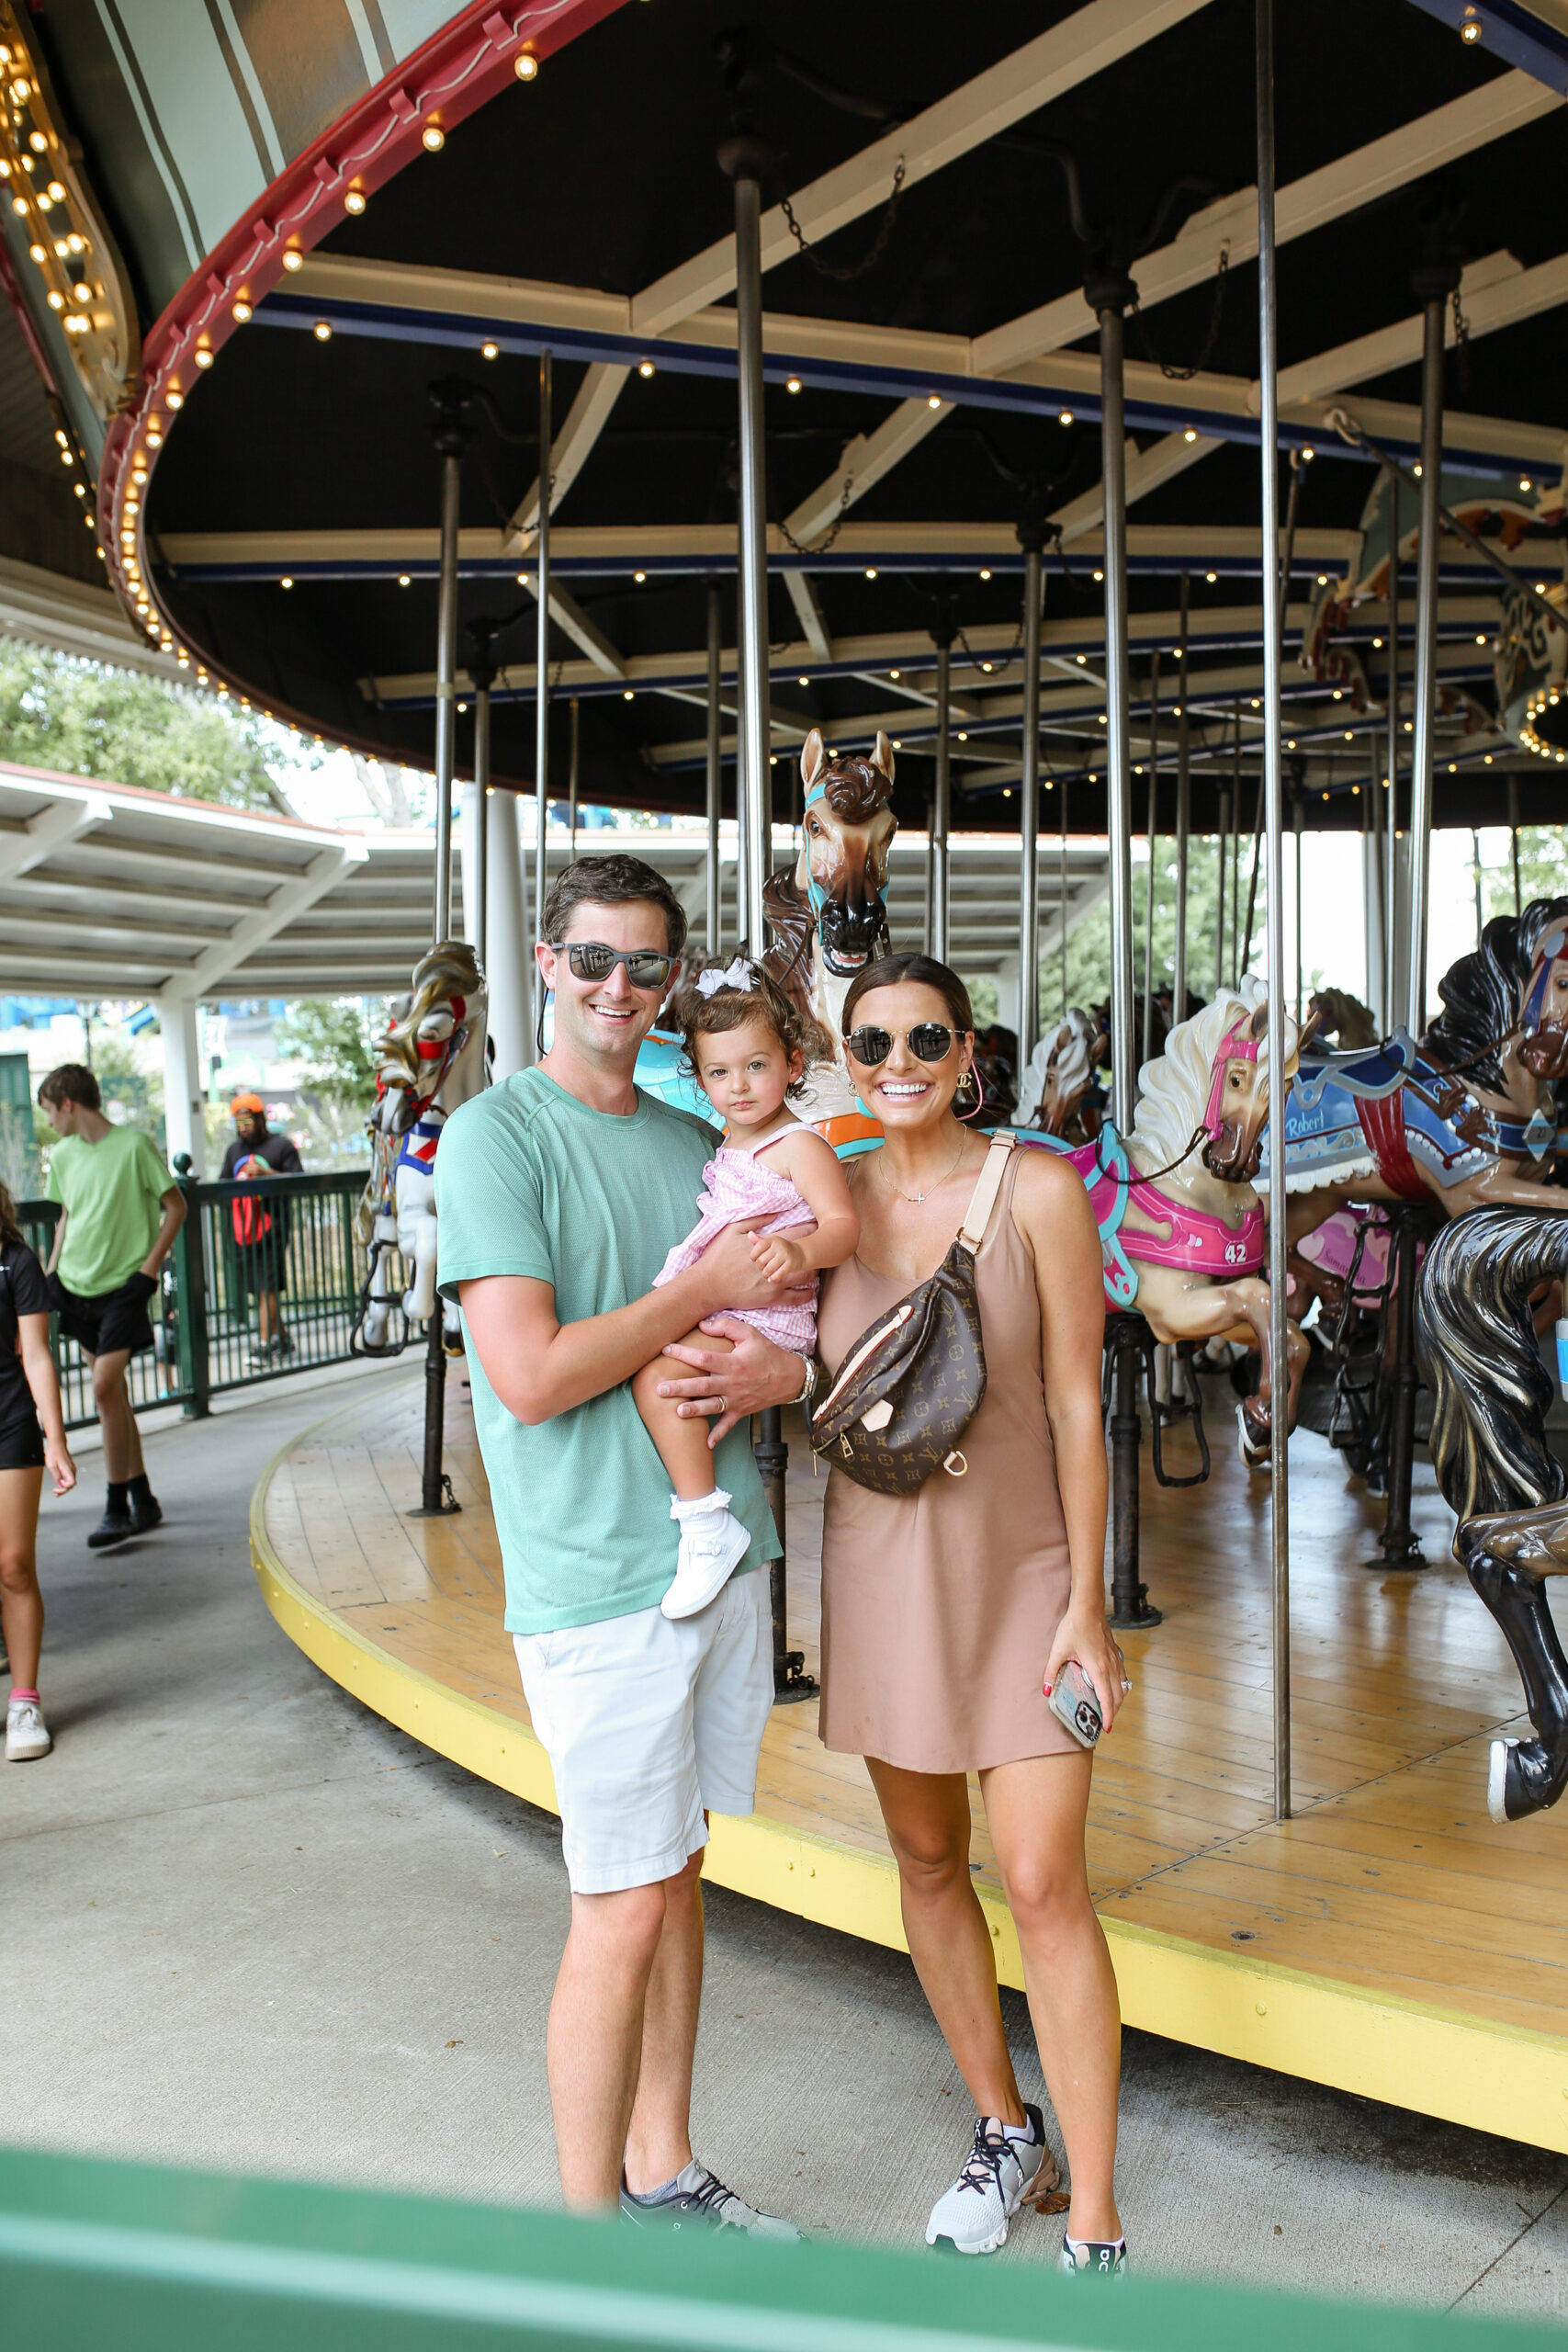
(261, 1225)
(120, 1210)
(32, 1438)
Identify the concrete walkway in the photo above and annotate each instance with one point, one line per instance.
(249, 1926)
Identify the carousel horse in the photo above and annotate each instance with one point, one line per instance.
(1475, 1336)
(828, 917)
(1466, 1118)
(431, 1059)
(1180, 1225)
(1061, 1093)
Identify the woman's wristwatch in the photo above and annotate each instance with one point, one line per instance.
(809, 1385)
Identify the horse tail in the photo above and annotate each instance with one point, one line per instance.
(1475, 1337)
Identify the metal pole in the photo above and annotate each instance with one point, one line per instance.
(1029, 816)
(1476, 868)
(1062, 895)
(451, 440)
(1224, 797)
(1391, 792)
(1296, 829)
(714, 912)
(1280, 1530)
(942, 813)
(1129, 1595)
(1183, 817)
(753, 633)
(542, 690)
(744, 160)
(479, 919)
(571, 779)
(1112, 443)
(1433, 286)
(1514, 840)
(1149, 887)
(1236, 851)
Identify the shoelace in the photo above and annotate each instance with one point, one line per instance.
(711, 2196)
(983, 2168)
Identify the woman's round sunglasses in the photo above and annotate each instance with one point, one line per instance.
(928, 1041)
(591, 960)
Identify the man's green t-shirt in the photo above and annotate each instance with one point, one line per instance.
(529, 1180)
(110, 1191)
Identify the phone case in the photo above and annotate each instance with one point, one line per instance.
(1075, 1705)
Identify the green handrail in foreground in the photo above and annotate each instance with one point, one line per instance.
(96, 2254)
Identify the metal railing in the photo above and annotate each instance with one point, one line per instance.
(289, 1236)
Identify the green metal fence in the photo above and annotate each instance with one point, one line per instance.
(95, 2256)
(291, 1238)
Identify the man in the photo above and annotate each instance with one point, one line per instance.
(261, 1225)
(120, 1210)
(558, 1194)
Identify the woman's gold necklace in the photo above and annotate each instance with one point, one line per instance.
(914, 1199)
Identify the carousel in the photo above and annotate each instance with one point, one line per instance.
(857, 435)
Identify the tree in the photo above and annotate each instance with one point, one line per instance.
(1543, 870)
(123, 728)
(1089, 945)
(332, 1037)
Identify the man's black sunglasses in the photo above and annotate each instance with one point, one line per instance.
(591, 960)
(928, 1041)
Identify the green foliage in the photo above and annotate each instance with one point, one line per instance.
(1543, 870)
(120, 727)
(332, 1037)
(1089, 945)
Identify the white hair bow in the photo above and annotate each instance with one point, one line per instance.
(736, 975)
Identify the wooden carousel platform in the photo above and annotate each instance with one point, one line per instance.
(1389, 1941)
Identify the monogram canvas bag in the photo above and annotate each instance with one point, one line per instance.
(911, 1385)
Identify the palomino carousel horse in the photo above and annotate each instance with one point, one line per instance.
(1181, 1226)
(430, 1060)
(1491, 1394)
(1061, 1093)
(1466, 1119)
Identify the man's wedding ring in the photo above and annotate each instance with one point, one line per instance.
(722, 1406)
(1125, 1684)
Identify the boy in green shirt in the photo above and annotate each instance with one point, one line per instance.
(120, 1210)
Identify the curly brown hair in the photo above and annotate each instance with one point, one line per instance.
(797, 1031)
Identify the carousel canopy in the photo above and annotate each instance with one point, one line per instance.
(287, 228)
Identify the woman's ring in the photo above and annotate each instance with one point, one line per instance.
(1125, 1684)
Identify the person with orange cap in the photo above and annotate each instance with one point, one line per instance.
(260, 1221)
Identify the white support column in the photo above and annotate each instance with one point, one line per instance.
(179, 1022)
(509, 938)
(1009, 992)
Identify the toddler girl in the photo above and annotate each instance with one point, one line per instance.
(748, 1045)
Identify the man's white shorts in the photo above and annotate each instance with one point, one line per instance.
(647, 1722)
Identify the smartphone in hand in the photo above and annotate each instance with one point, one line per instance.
(1074, 1703)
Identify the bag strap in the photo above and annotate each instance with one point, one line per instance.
(983, 1199)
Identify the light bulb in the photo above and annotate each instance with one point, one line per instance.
(935, 400)
(644, 368)
(628, 695)
(1099, 575)
(323, 330)
(985, 572)
(639, 577)
(203, 356)
(293, 258)
(1471, 29)
(172, 399)
(1211, 577)
(804, 679)
(489, 350)
(402, 579)
(435, 136)
(526, 67)
(793, 384)
(1524, 483)
(242, 314)
(895, 673)
(1066, 417)
(354, 201)
(286, 582)
(871, 572)
(1190, 435)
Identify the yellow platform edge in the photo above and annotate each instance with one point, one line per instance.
(1411, 2053)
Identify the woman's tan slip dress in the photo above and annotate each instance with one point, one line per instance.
(939, 1608)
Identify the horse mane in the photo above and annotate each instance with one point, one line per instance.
(1483, 992)
(789, 918)
(1073, 1066)
(450, 968)
(1475, 1337)
(1176, 1083)
(855, 788)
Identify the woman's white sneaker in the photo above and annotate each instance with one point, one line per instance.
(713, 1545)
(27, 1733)
(1093, 2257)
(1004, 2165)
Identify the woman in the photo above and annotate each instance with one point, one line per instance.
(32, 1438)
(948, 1614)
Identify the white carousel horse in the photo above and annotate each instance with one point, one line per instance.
(432, 1059)
(1060, 1079)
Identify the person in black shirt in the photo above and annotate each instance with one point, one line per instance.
(32, 1438)
(261, 1225)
